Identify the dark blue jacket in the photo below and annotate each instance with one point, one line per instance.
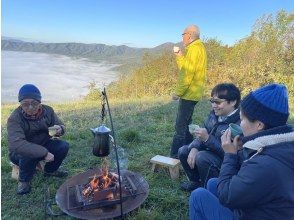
(215, 130)
(263, 187)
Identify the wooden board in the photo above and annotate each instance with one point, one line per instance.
(166, 161)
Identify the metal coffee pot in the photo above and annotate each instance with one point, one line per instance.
(102, 138)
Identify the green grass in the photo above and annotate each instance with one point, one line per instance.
(144, 128)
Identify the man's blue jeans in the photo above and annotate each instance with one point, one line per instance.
(27, 166)
(182, 135)
(204, 204)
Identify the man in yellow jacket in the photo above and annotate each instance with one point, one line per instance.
(192, 64)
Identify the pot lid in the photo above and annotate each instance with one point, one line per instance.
(101, 129)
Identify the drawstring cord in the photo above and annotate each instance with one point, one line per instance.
(257, 152)
(208, 172)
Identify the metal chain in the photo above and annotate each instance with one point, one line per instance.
(103, 110)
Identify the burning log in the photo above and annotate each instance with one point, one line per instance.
(98, 183)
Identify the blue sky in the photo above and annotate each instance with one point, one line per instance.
(135, 23)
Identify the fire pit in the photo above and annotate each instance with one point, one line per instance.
(100, 193)
(79, 198)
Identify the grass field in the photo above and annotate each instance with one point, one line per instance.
(144, 128)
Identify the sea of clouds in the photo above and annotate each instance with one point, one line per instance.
(59, 78)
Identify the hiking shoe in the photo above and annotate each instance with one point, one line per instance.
(23, 188)
(57, 173)
(189, 186)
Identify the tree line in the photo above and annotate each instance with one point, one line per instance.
(265, 56)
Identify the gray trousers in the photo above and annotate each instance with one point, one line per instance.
(207, 165)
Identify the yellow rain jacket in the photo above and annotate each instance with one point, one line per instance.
(192, 75)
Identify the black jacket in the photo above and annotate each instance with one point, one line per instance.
(215, 130)
(26, 136)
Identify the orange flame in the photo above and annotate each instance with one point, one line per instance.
(101, 182)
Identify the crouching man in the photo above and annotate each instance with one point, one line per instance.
(29, 141)
(202, 159)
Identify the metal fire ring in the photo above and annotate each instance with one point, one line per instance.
(101, 213)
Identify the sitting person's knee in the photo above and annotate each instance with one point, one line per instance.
(212, 182)
(198, 194)
(212, 186)
(201, 159)
(183, 152)
(64, 147)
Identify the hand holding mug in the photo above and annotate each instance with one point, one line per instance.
(55, 130)
(192, 128)
(177, 51)
(228, 145)
(202, 134)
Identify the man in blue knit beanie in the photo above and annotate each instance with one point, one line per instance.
(29, 91)
(33, 131)
(260, 187)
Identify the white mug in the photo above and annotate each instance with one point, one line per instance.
(176, 49)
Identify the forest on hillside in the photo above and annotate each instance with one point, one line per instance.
(265, 56)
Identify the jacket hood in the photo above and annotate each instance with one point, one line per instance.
(279, 146)
(268, 140)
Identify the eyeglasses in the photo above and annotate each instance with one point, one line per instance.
(34, 104)
(185, 33)
(217, 101)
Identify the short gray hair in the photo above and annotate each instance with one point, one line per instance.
(194, 31)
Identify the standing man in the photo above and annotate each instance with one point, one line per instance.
(29, 141)
(190, 86)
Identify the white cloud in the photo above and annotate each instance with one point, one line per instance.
(59, 78)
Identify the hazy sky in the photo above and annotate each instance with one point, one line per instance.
(136, 23)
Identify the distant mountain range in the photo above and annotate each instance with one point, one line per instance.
(122, 54)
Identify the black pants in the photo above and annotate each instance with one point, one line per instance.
(207, 165)
(182, 135)
(27, 166)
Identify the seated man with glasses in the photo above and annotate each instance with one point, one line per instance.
(202, 158)
(29, 141)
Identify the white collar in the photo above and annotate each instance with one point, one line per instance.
(267, 140)
(223, 118)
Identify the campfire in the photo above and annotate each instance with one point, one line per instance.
(101, 186)
(102, 193)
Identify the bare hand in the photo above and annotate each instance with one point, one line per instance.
(58, 129)
(227, 144)
(201, 133)
(192, 157)
(175, 97)
(49, 157)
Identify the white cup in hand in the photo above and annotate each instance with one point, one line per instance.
(176, 49)
(192, 128)
(52, 131)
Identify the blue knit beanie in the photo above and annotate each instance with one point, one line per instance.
(29, 91)
(268, 104)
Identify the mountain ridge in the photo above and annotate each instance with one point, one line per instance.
(94, 51)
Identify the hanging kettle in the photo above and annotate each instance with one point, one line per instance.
(101, 146)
